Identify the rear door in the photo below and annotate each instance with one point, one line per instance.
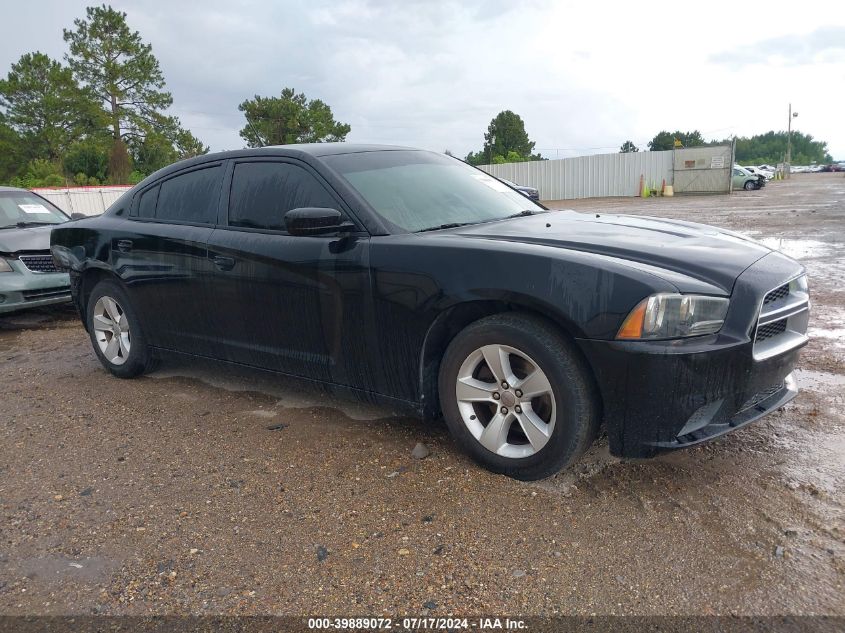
(163, 257)
(288, 303)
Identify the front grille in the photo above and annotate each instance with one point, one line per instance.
(46, 293)
(777, 293)
(758, 397)
(39, 263)
(782, 321)
(770, 329)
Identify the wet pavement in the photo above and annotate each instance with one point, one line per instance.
(206, 489)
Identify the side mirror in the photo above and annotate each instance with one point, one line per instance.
(78, 216)
(314, 221)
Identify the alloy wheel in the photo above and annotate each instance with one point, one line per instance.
(506, 401)
(111, 330)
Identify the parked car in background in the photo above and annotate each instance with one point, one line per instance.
(28, 276)
(753, 170)
(744, 179)
(757, 171)
(411, 278)
(529, 192)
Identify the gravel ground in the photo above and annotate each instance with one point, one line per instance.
(207, 490)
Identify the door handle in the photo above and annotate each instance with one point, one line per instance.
(223, 263)
(124, 246)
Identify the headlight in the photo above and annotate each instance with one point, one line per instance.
(5, 267)
(663, 316)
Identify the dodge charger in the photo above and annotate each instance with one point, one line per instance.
(409, 278)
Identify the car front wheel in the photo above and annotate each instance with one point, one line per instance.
(750, 185)
(115, 331)
(517, 396)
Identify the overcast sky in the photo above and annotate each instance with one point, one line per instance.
(584, 76)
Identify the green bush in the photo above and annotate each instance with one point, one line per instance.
(40, 173)
(135, 177)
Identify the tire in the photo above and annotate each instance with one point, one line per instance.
(567, 410)
(750, 185)
(118, 343)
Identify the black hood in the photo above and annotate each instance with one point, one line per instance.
(34, 238)
(700, 251)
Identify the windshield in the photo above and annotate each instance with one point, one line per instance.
(22, 208)
(418, 190)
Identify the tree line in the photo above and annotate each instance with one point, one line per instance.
(506, 141)
(99, 116)
(760, 149)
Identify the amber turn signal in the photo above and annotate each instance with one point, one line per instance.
(633, 325)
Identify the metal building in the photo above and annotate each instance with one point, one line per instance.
(699, 169)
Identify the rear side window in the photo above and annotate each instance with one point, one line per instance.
(263, 192)
(147, 205)
(190, 197)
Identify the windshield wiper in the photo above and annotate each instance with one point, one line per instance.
(23, 225)
(525, 213)
(449, 225)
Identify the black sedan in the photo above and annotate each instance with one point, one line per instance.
(410, 278)
(529, 192)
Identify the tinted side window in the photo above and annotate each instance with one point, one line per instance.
(191, 197)
(263, 192)
(147, 205)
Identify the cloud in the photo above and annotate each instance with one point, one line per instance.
(433, 73)
(824, 45)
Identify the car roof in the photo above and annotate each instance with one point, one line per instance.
(330, 149)
(296, 150)
(14, 189)
(312, 149)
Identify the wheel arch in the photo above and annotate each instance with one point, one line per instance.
(455, 318)
(88, 280)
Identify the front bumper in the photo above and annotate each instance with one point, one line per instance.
(657, 399)
(662, 395)
(22, 289)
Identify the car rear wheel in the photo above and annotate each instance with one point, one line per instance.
(750, 185)
(116, 333)
(517, 396)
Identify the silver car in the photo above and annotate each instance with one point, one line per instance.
(28, 276)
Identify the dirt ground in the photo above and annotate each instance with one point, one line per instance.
(202, 489)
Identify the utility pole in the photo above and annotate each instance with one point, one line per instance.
(788, 166)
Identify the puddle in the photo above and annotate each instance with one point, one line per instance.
(22, 320)
(59, 570)
(837, 335)
(288, 395)
(820, 381)
(38, 317)
(797, 249)
(267, 414)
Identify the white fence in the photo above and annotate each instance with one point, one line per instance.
(612, 175)
(86, 200)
